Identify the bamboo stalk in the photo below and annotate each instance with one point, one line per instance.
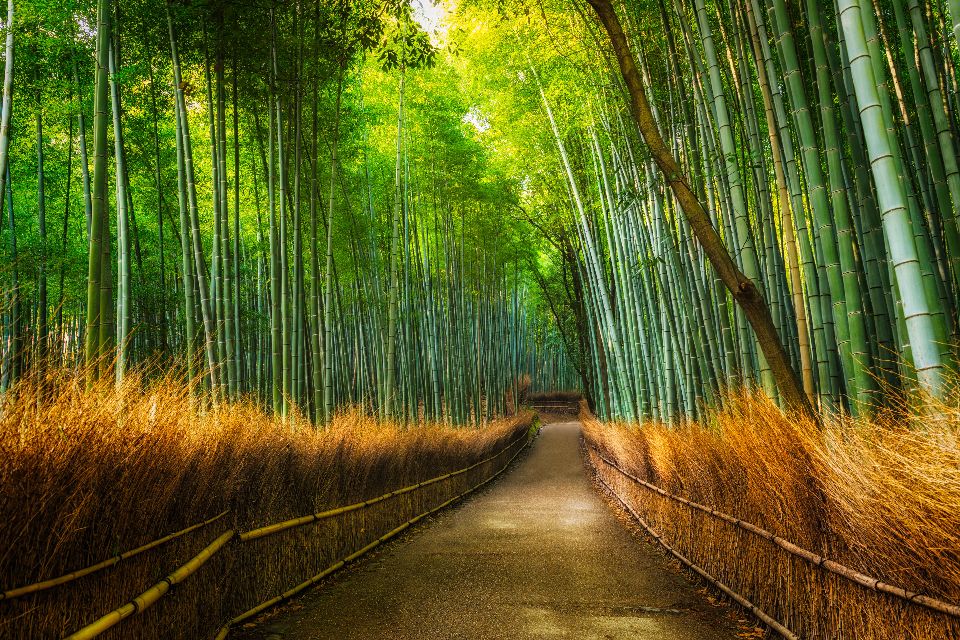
(109, 562)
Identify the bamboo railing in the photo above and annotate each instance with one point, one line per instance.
(154, 593)
(820, 562)
(297, 522)
(286, 595)
(160, 589)
(741, 600)
(109, 562)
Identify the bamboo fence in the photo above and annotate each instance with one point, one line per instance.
(157, 591)
(154, 593)
(286, 595)
(802, 616)
(741, 600)
(297, 522)
(109, 562)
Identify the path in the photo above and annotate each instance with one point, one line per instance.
(538, 555)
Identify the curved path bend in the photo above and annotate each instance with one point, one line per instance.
(537, 555)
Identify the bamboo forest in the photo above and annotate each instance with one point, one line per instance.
(456, 319)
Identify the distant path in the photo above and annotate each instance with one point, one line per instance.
(538, 555)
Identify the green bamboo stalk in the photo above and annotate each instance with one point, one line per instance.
(123, 233)
(389, 388)
(276, 322)
(92, 349)
(329, 282)
(206, 312)
(42, 303)
(186, 251)
(892, 197)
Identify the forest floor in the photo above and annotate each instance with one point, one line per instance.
(537, 555)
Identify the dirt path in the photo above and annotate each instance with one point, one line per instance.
(538, 555)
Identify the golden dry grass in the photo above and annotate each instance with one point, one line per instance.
(88, 473)
(881, 496)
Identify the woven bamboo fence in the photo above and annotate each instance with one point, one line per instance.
(231, 574)
(794, 591)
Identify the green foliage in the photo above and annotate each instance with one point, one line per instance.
(458, 192)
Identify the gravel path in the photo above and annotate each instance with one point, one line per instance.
(538, 555)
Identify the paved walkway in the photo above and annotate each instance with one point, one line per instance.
(538, 555)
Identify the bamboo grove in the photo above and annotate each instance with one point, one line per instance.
(821, 141)
(321, 204)
(267, 196)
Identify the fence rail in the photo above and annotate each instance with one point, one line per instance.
(109, 562)
(773, 623)
(154, 593)
(160, 589)
(832, 566)
(303, 520)
(225, 630)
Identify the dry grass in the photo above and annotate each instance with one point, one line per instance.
(89, 473)
(881, 496)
